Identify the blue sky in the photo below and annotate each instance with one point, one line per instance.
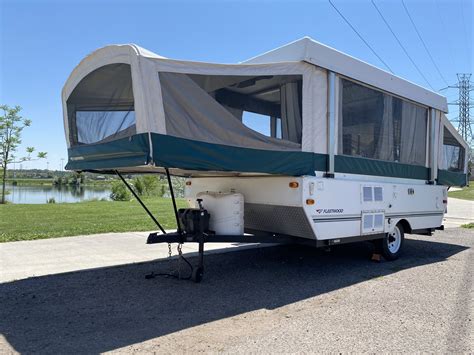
(42, 41)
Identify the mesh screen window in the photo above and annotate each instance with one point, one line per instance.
(379, 126)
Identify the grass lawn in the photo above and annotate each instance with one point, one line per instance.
(467, 193)
(27, 222)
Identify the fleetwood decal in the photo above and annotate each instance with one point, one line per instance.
(330, 210)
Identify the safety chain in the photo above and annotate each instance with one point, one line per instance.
(169, 258)
(180, 255)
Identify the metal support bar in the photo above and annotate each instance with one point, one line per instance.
(331, 123)
(176, 237)
(141, 202)
(273, 127)
(173, 199)
(434, 145)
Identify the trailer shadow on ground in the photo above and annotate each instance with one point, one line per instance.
(104, 309)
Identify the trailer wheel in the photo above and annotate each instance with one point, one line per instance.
(392, 244)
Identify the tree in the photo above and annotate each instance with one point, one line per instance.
(11, 127)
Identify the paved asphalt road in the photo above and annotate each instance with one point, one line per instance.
(275, 299)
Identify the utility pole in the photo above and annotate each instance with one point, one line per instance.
(465, 86)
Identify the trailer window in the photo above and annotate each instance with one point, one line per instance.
(101, 107)
(270, 105)
(380, 126)
(453, 153)
(263, 112)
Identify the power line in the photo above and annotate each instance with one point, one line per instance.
(401, 45)
(360, 36)
(422, 41)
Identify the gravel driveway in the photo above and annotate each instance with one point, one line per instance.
(275, 299)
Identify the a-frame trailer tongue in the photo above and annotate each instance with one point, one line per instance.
(198, 232)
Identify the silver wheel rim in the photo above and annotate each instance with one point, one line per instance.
(394, 240)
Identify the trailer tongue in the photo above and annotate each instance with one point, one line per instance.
(193, 226)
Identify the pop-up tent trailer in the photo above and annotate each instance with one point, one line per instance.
(320, 146)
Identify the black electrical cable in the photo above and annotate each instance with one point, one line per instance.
(360, 36)
(401, 45)
(423, 42)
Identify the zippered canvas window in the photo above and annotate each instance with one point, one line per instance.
(101, 107)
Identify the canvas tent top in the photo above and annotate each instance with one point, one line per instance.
(126, 108)
(304, 49)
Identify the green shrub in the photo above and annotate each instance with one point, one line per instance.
(120, 192)
(51, 200)
(145, 185)
(151, 183)
(138, 185)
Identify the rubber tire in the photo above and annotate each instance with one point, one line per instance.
(386, 253)
(197, 274)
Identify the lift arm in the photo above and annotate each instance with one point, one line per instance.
(141, 202)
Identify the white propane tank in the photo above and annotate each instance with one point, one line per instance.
(227, 211)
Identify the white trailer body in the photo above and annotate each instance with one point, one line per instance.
(331, 210)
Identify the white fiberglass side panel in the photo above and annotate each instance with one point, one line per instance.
(340, 204)
(271, 190)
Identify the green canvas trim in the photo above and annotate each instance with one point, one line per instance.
(451, 178)
(364, 166)
(187, 154)
(121, 153)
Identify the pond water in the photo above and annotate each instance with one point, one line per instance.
(42, 193)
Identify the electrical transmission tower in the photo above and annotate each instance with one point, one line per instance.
(465, 86)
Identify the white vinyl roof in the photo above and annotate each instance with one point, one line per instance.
(311, 51)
